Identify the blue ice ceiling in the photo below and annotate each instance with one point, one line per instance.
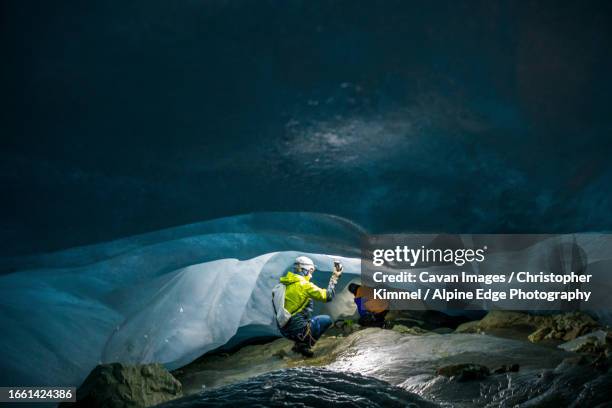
(450, 116)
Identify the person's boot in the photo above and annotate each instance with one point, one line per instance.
(303, 349)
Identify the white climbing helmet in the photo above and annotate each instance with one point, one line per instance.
(305, 263)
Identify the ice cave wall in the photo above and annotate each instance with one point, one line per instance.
(168, 296)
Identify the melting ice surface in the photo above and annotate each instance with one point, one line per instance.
(167, 297)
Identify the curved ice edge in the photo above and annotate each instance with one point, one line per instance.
(203, 306)
(162, 300)
(299, 223)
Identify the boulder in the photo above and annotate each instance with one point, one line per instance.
(589, 343)
(468, 327)
(562, 326)
(498, 319)
(464, 372)
(118, 385)
(443, 330)
(540, 334)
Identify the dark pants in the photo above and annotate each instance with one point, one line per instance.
(305, 331)
(319, 324)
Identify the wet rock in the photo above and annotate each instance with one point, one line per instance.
(351, 328)
(345, 327)
(218, 370)
(574, 385)
(425, 319)
(563, 326)
(468, 327)
(594, 338)
(568, 326)
(573, 361)
(118, 385)
(511, 368)
(405, 360)
(602, 362)
(403, 317)
(539, 335)
(498, 319)
(443, 330)
(595, 393)
(400, 328)
(507, 319)
(305, 387)
(592, 343)
(464, 372)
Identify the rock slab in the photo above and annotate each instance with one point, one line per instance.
(118, 385)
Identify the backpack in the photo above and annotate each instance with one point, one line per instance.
(278, 302)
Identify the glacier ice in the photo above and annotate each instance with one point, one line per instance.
(168, 296)
(172, 295)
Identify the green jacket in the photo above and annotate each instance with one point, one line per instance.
(300, 291)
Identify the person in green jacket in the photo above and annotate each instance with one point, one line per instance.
(299, 295)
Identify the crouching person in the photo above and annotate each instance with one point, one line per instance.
(300, 292)
(372, 311)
